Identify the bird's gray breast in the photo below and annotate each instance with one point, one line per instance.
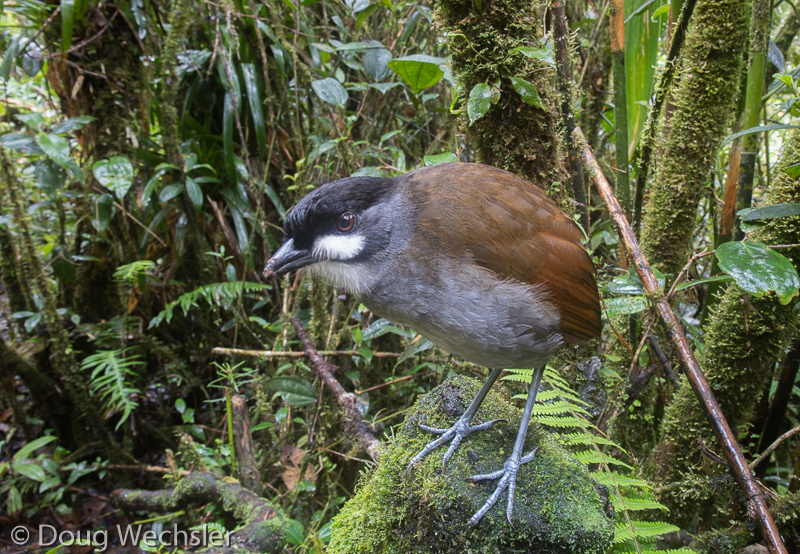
(470, 312)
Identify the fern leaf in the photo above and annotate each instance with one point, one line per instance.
(595, 457)
(610, 480)
(633, 505)
(582, 438)
(218, 294)
(643, 530)
(560, 422)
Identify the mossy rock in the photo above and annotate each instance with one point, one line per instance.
(557, 508)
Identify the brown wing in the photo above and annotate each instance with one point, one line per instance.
(540, 244)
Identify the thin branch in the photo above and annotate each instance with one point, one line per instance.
(725, 437)
(41, 29)
(294, 354)
(353, 423)
(773, 446)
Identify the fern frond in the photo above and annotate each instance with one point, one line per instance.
(218, 294)
(595, 457)
(642, 529)
(620, 480)
(560, 422)
(581, 438)
(110, 372)
(633, 505)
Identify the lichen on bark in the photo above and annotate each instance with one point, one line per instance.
(703, 105)
(745, 337)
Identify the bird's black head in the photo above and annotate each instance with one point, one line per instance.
(339, 225)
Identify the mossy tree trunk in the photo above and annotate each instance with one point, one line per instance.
(513, 135)
(703, 106)
(745, 337)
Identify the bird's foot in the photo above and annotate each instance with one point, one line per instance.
(508, 480)
(454, 435)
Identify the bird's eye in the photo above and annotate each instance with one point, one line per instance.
(346, 222)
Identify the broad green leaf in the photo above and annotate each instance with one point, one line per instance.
(758, 129)
(228, 121)
(659, 12)
(14, 501)
(480, 100)
(773, 211)
(445, 157)
(383, 88)
(641, 55)
(194, 191)
(758, 269)
(544, 54)
(793, 171)
(73, 124)
(33, 120)
(527, 91)
(331, 91)
(625, 305)
(646, 4)
(31, 471)
(103, 208)
(418, 71)
(376, 63)
(33, 322)
(295, 533)
(67, 22)
(56, 148)
(116, 174)
(50, 177)
(295, 391)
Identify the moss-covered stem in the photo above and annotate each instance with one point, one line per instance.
(567, 113)
(622, 182)
(745, 337)
(703, 108)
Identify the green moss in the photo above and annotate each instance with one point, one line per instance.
(703, 106)
(745, 337)
(557, 507)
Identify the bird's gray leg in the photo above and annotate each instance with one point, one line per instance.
(508, 475)
(461, 428)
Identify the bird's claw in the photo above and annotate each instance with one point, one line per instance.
(454, 435)
(508, 480)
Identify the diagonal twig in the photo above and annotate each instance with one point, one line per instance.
(726, 438)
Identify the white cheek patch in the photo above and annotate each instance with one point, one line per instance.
(338, 247)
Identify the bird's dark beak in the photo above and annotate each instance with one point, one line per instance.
(286, 259)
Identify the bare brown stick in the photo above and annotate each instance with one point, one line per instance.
(725, 437)
(773, 446)
(291, 354)
(353, 424)
(393, 381)
(243, 442)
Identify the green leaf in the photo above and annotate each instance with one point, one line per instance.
(295, 534)
(56, 148)
(33, 120)
(25, 452)
(415, 348)
(376, 63)
(527, 91)
(67, 22)
(758, 269)
(759, 129)
(544, 54)
(73, 124)
(773, 211)
(228, 120)
(625, 305)
(295, 391)
(445, 157)
(256, 108)
(715, 279)
(10, 57)
(623, 532)
(116, 174)
(659, 12)
(793, 171)
(642, 8)
(169, 192)
(418, 71)
(14, 501)
(331, 91)
(103, 208)
(480, 100)
(31, 471)
(50, 177)
(20, 143)
(194, 191)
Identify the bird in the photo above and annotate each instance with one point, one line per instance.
(476, 259)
